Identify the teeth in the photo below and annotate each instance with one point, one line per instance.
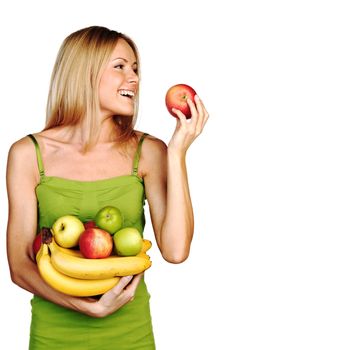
(127, 93)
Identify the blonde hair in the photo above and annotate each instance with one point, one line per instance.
(73, 95)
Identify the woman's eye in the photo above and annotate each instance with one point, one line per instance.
(121, 66)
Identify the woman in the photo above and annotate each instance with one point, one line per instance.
(88, 156)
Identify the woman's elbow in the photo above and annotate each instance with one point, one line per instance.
(18, 271)
(175, 258)
(15, 277)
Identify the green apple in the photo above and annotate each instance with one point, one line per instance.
(110, 219)
(127, 241)
(67, 230)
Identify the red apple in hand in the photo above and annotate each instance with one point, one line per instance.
(177, 96)
(95, 243)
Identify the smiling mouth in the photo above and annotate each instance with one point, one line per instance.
(127, 93)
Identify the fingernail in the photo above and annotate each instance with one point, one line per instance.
(196, 98)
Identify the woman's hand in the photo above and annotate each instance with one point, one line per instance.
(187, 130)
(115, 298)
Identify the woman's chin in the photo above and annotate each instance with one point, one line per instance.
(125, 114)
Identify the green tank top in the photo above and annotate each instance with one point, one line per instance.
(53, 326)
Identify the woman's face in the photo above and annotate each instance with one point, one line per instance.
(119, 82)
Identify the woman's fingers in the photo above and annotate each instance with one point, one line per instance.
(187, 130)
(199, 116)
(180, 115)
(123, 282)
(130, 290)
(109, 297)
(202, 114)
(194, 112)
(123, 292)
(199, 107)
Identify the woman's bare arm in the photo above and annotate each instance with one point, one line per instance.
(22, 179)
(167, 188)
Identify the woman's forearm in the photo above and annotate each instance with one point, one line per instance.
(29, 279)
(178, 224)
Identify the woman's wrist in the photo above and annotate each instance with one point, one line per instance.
(176, 154)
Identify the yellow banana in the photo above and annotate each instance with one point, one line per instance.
(143, 255)
(69, 251)
(146, 245)
(97, 268)
(70, 285)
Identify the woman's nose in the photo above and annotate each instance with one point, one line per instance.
(133, 77)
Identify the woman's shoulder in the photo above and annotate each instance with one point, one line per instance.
(151, 143)
(25, 143)
(154, 151)
(21, 146)
(22, 155)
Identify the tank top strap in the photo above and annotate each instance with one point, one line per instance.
(38, 156)
(137, 154)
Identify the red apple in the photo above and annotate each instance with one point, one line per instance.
(37, 243)
(89, 224)
(95, 243)
(176, 97)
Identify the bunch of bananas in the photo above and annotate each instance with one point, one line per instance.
(67, 271)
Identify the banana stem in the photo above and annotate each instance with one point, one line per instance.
(46, 235)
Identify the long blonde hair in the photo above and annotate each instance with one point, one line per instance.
(73, 95)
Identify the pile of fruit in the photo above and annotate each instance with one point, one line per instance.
(88, 259)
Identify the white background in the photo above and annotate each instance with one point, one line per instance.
(269, 176)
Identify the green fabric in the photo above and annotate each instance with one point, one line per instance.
(55, 327)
